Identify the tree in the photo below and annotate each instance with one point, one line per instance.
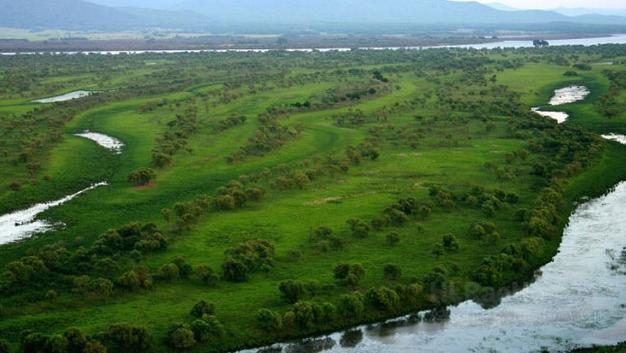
(383, 298)
(207, 275)
(76, 340)
(291, 290)
(129, 280)
(393, 238)
(304, 314)
(127, 338)
(169, 271)
(234, 270)
(392, 272)
(351, 306)
(349, 275)
(142, 176)
(203, 308)
(184, 269)
(93, 346)
(450, 243)
(4, 346)
(181, 337)
(269, 321)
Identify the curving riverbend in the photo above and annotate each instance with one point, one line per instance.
(24, 223)
(65, 97)
(565, 95)
(578, 299)
(110, 143)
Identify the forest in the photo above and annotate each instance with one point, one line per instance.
(262, 197)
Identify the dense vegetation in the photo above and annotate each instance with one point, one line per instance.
(262, 196)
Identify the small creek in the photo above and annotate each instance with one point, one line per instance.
(23, 224)
(103, 140)
(566, 95)
(64, 97)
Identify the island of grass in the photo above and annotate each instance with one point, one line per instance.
(266, 196)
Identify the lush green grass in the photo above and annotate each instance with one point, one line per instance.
(285, 217)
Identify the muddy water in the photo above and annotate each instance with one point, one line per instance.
(23, 224)
(579, 299)
(64, 97)
(566, 95)
(103, 140)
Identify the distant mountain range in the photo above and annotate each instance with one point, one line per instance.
(132, 14)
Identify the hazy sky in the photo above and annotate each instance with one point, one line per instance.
(547, 4)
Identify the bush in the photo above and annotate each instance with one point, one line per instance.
(94, 346)
(76, 340)
(180, 336)
(234, 271)
(126, 338)
(359, 228)
(450, 243)
(203, 308)
(349, 275)
(292, 291)
(304, 314)
(392, 272)
(141, 177)
(393, 238)
(383, 298)
(4, 346)
(207, 275)
(351, 306)
(207, 328)
(269, 321)
(169, 272)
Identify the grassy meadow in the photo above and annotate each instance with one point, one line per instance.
(454, 121)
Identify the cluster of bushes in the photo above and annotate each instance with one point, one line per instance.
(268, 137)
(323, 239)
(513, 261)
(142, 176)
(477, 197)
(232, 196)
(248, 257)
(206, 326)
(175, 137)
(56, 265)
(119, 338)
(231, 122)
(350, 308)
(609, 104)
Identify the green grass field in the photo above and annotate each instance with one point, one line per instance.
(436, 120)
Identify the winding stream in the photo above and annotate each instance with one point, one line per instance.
(566, 95)
(23, 224)
(108, 142)
(579, 299)
(65, 97)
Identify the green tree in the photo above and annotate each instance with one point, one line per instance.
(203, 308)
(269, 321)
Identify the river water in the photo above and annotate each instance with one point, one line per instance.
(578, 299)
(64, 97)
(108, 142)
(24, 223)
(613, 39)
(565, 95)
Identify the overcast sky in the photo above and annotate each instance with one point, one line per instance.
(547, 4)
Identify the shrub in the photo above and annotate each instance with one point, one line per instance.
(450, 243)
(392, 272)
(359, 228)
(292, 291)
(184, 269)
(203, 308)
(76, 340)
(393, 238)
(4, 346)
(351, 306)
(207, 328)
(169, 271)
(234, 270)
(383, 298)
(180, 336)
(128, 338)
(304, 314)
(269, 320)
(349, 275)
(207, 275)
(142, 176)
(93, 346)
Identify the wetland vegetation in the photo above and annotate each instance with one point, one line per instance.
(259, 197)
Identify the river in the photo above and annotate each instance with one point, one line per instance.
(613, 39)
(578, 299)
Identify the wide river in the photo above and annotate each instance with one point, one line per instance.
(578, 299)
(613, 39)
